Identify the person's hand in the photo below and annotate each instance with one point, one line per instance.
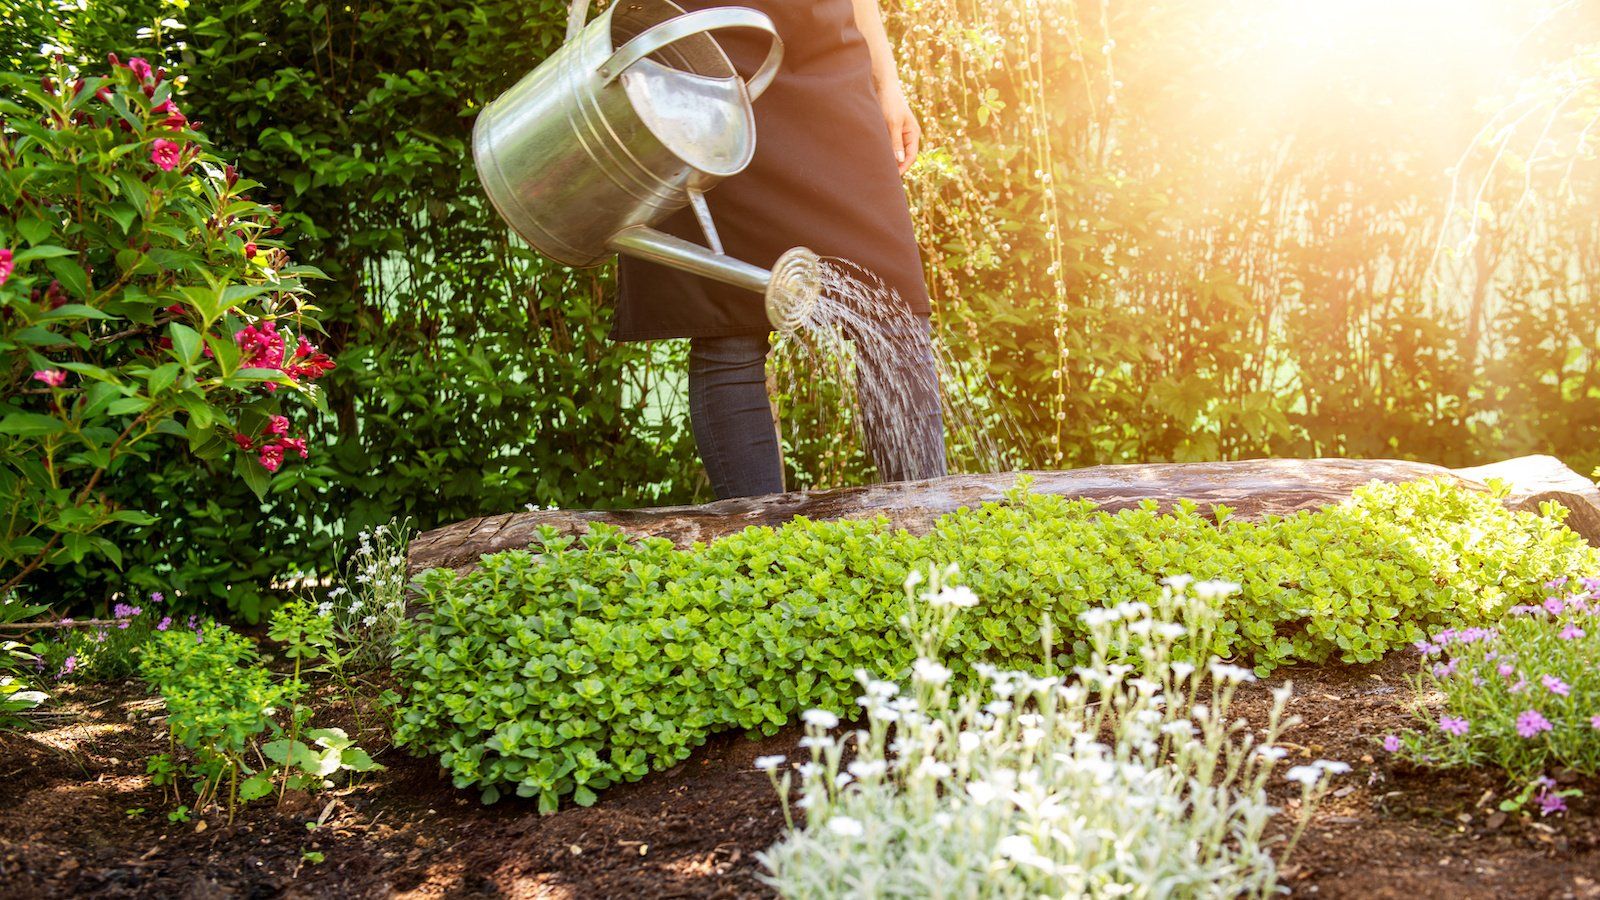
(905, 135)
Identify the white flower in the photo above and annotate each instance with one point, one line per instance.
(1019, 849)
(1215, 589)
(1306, 775)
(820, 718)
(1182, 670)
(768, 763)
(933, 768)
(324, 608)
(1272, 753)
(816, 742)
(355, 606)
(881, 689)
(1332, 767)
(337, 592)
(968, 742)
(842, 779)
(369, 621)
(1178, 728)
(868, 768)
(930, 672)
(959, 596)
(844, 826)
(981, 792)
(1222, 671)
(1171, 630)
(997, 707)
(1178, 582)
(1094, 618)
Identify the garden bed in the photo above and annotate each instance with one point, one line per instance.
(1389, 830)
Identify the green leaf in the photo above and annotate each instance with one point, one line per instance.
(186, 342)
(255, 475)
(31, 425)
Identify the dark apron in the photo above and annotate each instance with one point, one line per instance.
(824, 176)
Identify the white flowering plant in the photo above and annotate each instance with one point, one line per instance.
(368, 603)
(1125, 776)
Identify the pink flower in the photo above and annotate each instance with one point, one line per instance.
(278, 425)
(1571, 633)
(67, 667)
(1555, 685)
(52, 377)
(1531, 722)
(1453, 725)
(1506, 670)
(271, 457)
(1554, 606)
(164, 624)
(165, 154)
(1594, 722)
(1391, 743)
(7, 265)
(298, 445)
(139, 68)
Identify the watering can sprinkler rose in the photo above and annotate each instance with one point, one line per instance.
(636, 116)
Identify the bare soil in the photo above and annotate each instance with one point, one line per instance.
(78, 817)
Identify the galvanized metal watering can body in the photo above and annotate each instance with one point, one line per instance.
(632, 119)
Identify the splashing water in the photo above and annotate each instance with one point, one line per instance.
(899, 391)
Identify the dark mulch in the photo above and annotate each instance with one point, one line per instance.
(693, 831)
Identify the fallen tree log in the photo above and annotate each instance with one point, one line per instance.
(1252, 488)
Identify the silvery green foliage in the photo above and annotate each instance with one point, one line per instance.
(1125, 777)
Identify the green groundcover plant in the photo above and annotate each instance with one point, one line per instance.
(583, 662)
(1523, 696)
(1123, 779)
(223, 707)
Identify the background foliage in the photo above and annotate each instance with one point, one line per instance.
(1171, 230)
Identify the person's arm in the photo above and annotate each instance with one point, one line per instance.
(905, 135)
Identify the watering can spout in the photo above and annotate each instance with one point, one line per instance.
(791, 288)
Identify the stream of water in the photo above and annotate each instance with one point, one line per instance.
(897, 386)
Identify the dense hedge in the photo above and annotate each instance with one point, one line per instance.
(580, 663)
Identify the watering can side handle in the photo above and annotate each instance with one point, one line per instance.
(689, 24)
(577, 17)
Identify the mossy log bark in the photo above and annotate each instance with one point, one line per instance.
(1252, 488)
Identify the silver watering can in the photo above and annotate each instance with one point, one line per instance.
(601, 142)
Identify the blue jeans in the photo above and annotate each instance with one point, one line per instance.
(732, 415)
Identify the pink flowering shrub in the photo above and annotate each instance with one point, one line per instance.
(1523, 696)
(144, 298)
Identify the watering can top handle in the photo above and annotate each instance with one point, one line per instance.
(676, 29)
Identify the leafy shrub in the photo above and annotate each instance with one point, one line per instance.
(1122, 778)
(1523, 696)
(583, 662)
(474, 375)
(143, 299)
(221, 704)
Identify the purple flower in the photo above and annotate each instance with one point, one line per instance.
(1557, 583)
(1445, 670)
(1425, 648)
(1550, 802)
(1555, 685)
(1554, 606)
(1506, 670)
(1519, 687)
(1594, 722)
(67, 666)
(1391, 743)
(1453, 725)
(157, 597)
(164, 624)
(1571, 633)
(1530, 723)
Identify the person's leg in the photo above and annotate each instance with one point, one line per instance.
(732, 416)
(897, 382)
